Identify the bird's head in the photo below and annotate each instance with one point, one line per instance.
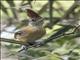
(35, 19)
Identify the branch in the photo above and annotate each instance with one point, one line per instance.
(44, 7)
(62, 33)
(10, 41)
(70, 10)
(58, 34)
(53, 37)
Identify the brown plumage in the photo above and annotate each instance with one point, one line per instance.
(31, 32)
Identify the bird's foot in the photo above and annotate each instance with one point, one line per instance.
(24, 47)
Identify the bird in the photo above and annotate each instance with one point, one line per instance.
(33, 31)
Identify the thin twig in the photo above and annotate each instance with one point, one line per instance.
(10, 41)
(70, 10)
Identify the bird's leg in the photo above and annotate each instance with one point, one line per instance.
(24, 47)
(29, 44)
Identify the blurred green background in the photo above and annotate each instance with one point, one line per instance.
(61, 19)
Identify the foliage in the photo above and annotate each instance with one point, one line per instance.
(61, 41)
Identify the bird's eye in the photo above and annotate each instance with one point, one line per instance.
(33, 20)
